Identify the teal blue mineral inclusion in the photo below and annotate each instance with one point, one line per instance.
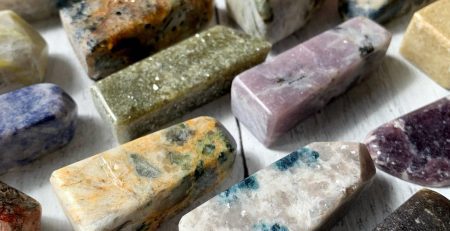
(303, 156)
(230, 195)
(269, 227)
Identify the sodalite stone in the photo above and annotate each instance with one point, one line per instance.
(273, 97)
(309, 189)
(416, 146)
(34, 121)
(272, 19)
(381, 11)
(32, 10)
(24, 53)
(424, 211)
(108, 35)
(139, 184)
(18, 211)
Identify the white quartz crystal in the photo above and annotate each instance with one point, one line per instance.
(31, 9)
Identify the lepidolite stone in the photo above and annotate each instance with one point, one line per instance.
(308, 189)
(272, 19)
(34, 121)
(381, 11)
(427, 42)
(416, 146)
(108, 35)
(18, 211)
(23, 54)
(425, 211)
(145, 96)
(273, 97)
(139, 184)
(32, 10)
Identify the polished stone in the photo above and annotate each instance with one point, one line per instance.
(275, 96)
(139, 184)
(32, 10)
(309, 189)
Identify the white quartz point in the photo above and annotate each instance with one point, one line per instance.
(32, 10)
(308, 189)
(23, 51)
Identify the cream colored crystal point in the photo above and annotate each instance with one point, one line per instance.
(23, 53)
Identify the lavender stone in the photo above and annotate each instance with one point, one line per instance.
(273, 97)
(416, 146)
(34, 120)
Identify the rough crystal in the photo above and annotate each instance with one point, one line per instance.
(32, 10)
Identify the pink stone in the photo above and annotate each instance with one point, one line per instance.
(275, 96)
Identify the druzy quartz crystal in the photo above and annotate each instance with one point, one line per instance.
(18, 211)
(424, 211)
(153, 92)
(34, 121)
(272, 19)
(273, 97)
(32, 10)
(416, 146)
(309, 189)
(137, 185)
(108, 35)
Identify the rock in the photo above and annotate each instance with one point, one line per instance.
(32, 10)
(18, 211)
(34, 121)
(145, 96)
(139, 184)
(275, 96)
(426, 42)
(272, 19)
(309, 189)
(110, 35)
(425, 211)
(24, 53)
(416, 146)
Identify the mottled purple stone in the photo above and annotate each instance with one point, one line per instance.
(416, 146)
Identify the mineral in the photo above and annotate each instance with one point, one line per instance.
(273, 97)
(137, 185)
(308, 189)
(416, 146)
(32, 10)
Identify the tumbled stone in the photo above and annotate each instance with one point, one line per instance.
(309, 189)
(34, 121)
(381, 11)
(23, 54)
(416, 146)
(272, 20)
(139, 184)
(424, 211)
(32, 10)
(273, 97)
(18, 211)
(108, 35)
(427, 42)
(145, 96)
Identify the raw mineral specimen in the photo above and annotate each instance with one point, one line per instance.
(18, 211)
(427, 41)
(425, 211)
(308, 189)
(273, 97)
(416, 146)
(381, 11)
(34, 121)
(272, 19)
(139, 184)
(153, 92)
(24, 54)
(108, 35)
(32, 10)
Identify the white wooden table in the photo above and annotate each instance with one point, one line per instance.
(395, 88)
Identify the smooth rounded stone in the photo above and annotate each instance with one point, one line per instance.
(107, 36)
(416, 146)
(381, 11)
(424, 211)
(34, 121)
(272, 20)
(32, 10)
(18, 211)
(138, 185)
(23, 51)
(309, 189)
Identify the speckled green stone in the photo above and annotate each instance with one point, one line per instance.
(149, 94)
